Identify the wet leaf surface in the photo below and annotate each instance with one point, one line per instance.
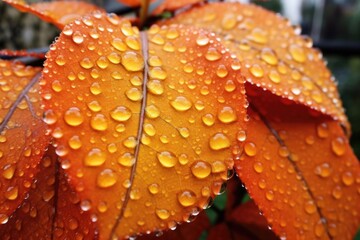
(272, 53)
(22, 133)
(302, 173)
(144, 129)
(58, 13)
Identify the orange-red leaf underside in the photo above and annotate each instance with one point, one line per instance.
(58, 13)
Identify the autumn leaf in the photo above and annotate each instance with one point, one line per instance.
(273, 54)
(22, 139)
(159, 6)
(51, 210)
(148, 123)
(21, 53)
(301, 172)
(58, 13)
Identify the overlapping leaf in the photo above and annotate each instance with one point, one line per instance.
(272, 54)
(58, 13)
(301, 171)
(150, 120)
(51, 210)
(22, 133)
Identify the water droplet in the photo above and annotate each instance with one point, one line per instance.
(250, 149)
(102, 207)
(153, 188)
(154, 61)
(323, 170)
(338, 145)
(230, 86)
(241, 136)
(258, 36)
(297, 53)
(75, 142)
(106, 178)
(310, 207)
(11, 193)
(221, 71)
(67, 30)
(201, 169)
(187, 198)
(50, 117)
(228, 22)
(121, 114)
(85, 205)
(73, 117)
(157, 73)
(163, 214)
(257, 71)
(283, 151)
(95, 88)
(202, 40)
(212, 54)
(99, 122)
(258, 167)
(86, 63)
(77, 37)
(3, 218)
(172, 33)
(134, 94)
(60, 60)
(184, 132)
(155, 87)
(219, 141)
(118, 44)
(115, 59)
(227, 115)
(167, 159)
(347, 178)
(152, 111)
(132, 61)
(337, 192)
(94, 106)
(323, 130)
(208, 119)
(181, 103)
(269, 195)
(269, 56)
(218, 167)
(95, 157)
(130, 142)
(274, 76)
(127, 160)
(8, 171)
(133, 42)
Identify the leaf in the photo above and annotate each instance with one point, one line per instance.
(58, 13)
(159, 6)
(162, 150)
(22, 133)
(188, 231)
(272, 54)
(302, 173)
(21, 53)
(51, 210)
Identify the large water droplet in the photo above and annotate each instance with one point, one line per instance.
(73, 116)
(219, 141)
(132, 61)
(187, 198)
(106, 178)
(201, 169)
(167, 159)
(181, 103)
(95, 157)
(227, 115)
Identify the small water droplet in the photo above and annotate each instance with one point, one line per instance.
(163, 214)
(297, 53)
(95, 157)
(219, 141)
(208, 119)
(201, 169)
(212, 54)
(250, 149)
(338, 146)
(132, 61)
(187, 198)
(181, 103)
(86, 63)
(134, 94)
(167, 159)
(106, 178)
(99, 122)
(73, 117)
(127, 159)
(77, 37)
(153, 188)
(257, 71)
(227, 115)
(121, 114)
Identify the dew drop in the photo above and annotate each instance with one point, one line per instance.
(155, 87)
(269, 195)
(95, 88)
(274, 76)
(212, 54)
(167, 159)
(134, 94)
(106, 178)
(99, 122)
(201, 169)
(181, 103)
(258, 167)
(337, 192)
(118, 44)
(241, 136)
(94, 106)
(202, 40)
(130, 142)
(11, 193)
(163, 214)
(121, 114)
(187, 198)
(152, 111)
(132, 61)
(323, 170)
(73, 117)
(77, 37)
(347, 178)
(208, 119)
(269, 56)
(219, 141)
(250, 149)
(297, 53)
(86, 63)
(153, 188)
(132, 42)
(94, 158)
(228, 22)
(221, 71)
(338, 146)
(323, 130)
(126, 160)
(218, 167)
(227, 115)
(60, 60)
(75, 142)
(8, 171)
(310, 207)
(257, 71)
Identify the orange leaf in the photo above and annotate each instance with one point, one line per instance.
(22, 133)
(301, 172)
(58, 13)
(160, 6)
(162, 150)
(272, 54)
(51, 209)
(21, 53)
